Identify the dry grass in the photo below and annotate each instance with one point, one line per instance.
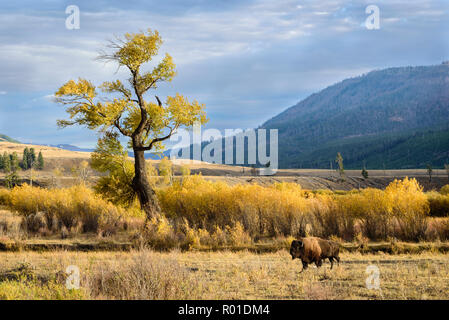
(47, 152)
(10, 226)
(243, 275)
(276, 276)
(144, 275)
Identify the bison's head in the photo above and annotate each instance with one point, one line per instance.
(296, 249)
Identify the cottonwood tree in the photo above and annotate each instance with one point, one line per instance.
(123, 108)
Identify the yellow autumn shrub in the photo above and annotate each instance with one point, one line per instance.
(68, 207)
(284, 209)
(4, 197)
(438, 204)
(197, 212)
(273, 210)
(445, 190)
(409, 206)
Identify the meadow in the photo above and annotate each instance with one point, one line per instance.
(146, 274)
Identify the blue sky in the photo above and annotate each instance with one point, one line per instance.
(246, 60)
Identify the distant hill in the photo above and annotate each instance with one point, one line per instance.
(4, 137)
(393, 118)
(70, 147)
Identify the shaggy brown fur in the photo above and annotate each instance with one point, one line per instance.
(315, 250)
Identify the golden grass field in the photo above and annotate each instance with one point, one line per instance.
(228, 275)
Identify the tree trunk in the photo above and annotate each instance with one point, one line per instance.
(145, 193)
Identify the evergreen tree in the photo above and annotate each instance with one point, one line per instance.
(40, 161)
(7, 163)
(14, 161)
(365, 173)
(26, 153)
(429, 171)
(2, 162)
(31, 158)
(12, 180)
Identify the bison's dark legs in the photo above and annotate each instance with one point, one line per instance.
(304, 266)
(319, 263)
(331, 259)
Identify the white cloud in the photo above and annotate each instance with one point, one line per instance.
(253, 58)
(39, 53)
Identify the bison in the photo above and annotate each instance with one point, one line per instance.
(315, 250)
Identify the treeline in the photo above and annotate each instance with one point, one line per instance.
(11, 162)
(403, 150)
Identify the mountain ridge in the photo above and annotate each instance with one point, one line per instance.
(381, 107)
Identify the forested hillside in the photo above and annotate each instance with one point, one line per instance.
(393, 118)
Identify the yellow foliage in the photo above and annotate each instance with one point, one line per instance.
(152, 175)
(159, 233)
(166, 169)
(4, 196)
(70, 206)
(123, 110)
(407, 198)
(274, 209)
(200, 212)
(438, 203)
(445, 190)
(185, 170)
(237, 235)
(35, 290)
(218, 237)
(139, 48)
(285, 209)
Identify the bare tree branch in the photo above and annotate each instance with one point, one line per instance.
(156, 140)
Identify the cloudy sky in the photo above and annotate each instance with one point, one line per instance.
(247, 60)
